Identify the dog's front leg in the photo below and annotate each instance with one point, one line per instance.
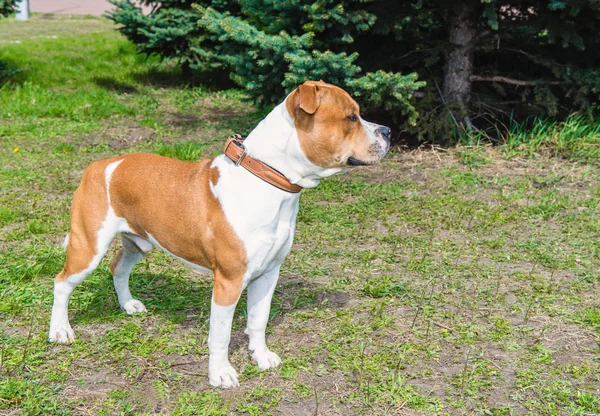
(260, 293)
(220, 371)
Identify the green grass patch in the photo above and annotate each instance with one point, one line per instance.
(577, 137)
(187, 151)
(32, 397)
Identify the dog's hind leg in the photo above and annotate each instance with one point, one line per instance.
(83, 256)
(93, 227)
(134, 249)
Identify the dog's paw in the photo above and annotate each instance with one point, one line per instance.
(134, 306)
(266, 360)
(224, 376)
(61, 334)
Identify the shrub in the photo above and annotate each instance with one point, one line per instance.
(7, 7)
(267, 56)
(485, 62)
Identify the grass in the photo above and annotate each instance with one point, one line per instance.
(462, 281)
(577, 138)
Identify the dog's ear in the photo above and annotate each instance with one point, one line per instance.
(308, 99)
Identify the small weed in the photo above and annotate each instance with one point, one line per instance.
(64, 148)
(378, 287)
(303, 390)
(591, 317)
(502, 329)
(203, 403)
(260, 401)
(473, 157)
(187, 151)
(161, 389)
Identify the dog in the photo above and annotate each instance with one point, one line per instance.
(234, 214)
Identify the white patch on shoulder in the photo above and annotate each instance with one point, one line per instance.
(65, 243)
(111, 222)
(108, 174)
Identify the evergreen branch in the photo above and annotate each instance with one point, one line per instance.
(512, 81)
(7, 7)
(406, 55)
(535, 59)
(230, 28)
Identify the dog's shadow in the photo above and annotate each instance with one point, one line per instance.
(172, 296)
(183, 297)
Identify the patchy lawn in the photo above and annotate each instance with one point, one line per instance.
(439, 282)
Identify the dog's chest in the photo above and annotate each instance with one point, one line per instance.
(262, 216)
(268, 239)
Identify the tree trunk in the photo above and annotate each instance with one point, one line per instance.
(186, 70)
(462, 37)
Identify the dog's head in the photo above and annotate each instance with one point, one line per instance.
(331, 132)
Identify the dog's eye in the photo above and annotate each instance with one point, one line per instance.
(352, 118)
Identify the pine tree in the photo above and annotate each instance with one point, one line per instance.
(7, 7)
(488, 61)
(270, 57)
(170, 30)
(485, 62)
(276, 47)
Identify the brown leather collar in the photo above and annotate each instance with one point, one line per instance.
(235, 150)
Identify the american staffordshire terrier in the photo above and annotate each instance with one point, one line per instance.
(234, 214)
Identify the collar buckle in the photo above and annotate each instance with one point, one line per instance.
(238, 154)
(242, 155)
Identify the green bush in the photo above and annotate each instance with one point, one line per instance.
(270, 57)
(7, 7)
(478, 65)
(5, 72)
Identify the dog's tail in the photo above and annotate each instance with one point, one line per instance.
(66, 242)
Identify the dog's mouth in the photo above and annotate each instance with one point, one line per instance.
(355, 162)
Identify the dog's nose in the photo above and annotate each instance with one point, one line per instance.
(385, 132)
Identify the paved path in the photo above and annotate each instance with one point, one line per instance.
(93, 7)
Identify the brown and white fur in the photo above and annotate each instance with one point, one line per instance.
(214, 215)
